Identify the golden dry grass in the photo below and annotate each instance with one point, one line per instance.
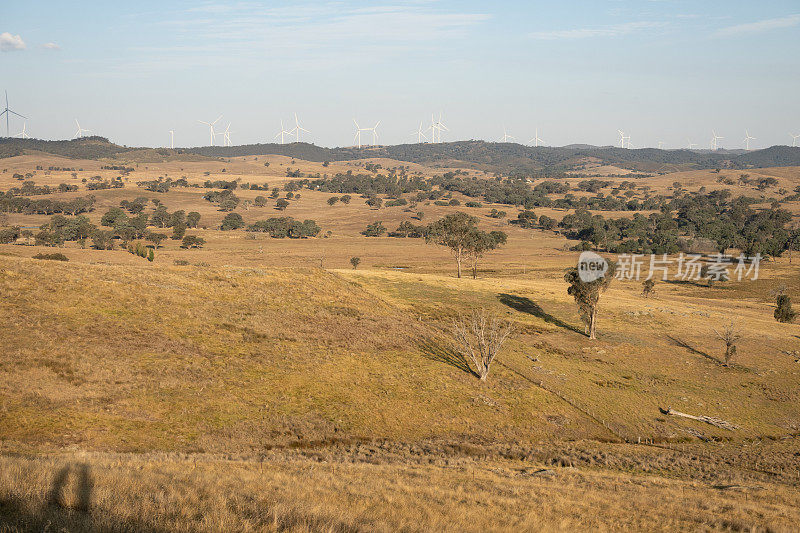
(290, 492)
(254, 347)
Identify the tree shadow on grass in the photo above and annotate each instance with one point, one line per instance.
(526, 305)
(435, 351)
(684, 344)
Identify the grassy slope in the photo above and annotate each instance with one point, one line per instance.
(130, 358)
(231, 359)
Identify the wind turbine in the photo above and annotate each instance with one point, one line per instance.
(172, 139)
(80, 131)
(211, 127)
(621, 138)
(23, 134)
(359, 129)
(374, 130)
(282, 133)
(419, 133)
(297, 129)
(747, 139)
(506, 137)
(439, 126)
(8, 112)
(690, 144)
(226, 135)
(536, 140)
(661, 144)
(714, 140)
(794, 139)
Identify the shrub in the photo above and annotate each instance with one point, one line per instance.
(648, 288)
(51, 257)
(784, 311)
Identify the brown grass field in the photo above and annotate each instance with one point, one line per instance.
(268, 386)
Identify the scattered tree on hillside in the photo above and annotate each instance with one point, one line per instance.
(479, 338)
(155, 238)
(482, 242)
(192, 219)
(587, 295)
(192, 241)
(730, 334)
(456, 232)
(102, 240)
(333, 200)
(375, 229)
(282, 204)
(355, 261)
(232, 221)
(784, 311)
(648, 288)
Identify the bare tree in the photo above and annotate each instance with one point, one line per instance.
(730, 334)
(479, 338)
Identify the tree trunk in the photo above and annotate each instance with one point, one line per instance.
(475, 268)
(592, 324)
(458, 262)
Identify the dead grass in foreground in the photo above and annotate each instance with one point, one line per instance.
(91, 492)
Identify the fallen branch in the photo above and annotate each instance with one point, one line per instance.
(707, 419)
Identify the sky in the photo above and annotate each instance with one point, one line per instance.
(575, 71)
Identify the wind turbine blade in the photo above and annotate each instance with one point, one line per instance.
(15, 113)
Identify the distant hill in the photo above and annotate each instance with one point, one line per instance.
(490, 156)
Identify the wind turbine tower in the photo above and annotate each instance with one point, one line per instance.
(226, 136)
(357, 138)
(436, 128)
(715, 140)
(172, 139)
(282, 133)
(794, 139)
(690, 144)
(536, 140)
(506, 137)
(747, 139)
(8, 112)
(211, 127)
(297, 129)
(79, 133)
(419, 133)
(374, 130)
(23, 134)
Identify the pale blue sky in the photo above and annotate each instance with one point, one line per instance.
(662, 70)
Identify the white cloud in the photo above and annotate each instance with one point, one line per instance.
(11, 43)
(617, 30)
(761, 26)
(51, 46)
